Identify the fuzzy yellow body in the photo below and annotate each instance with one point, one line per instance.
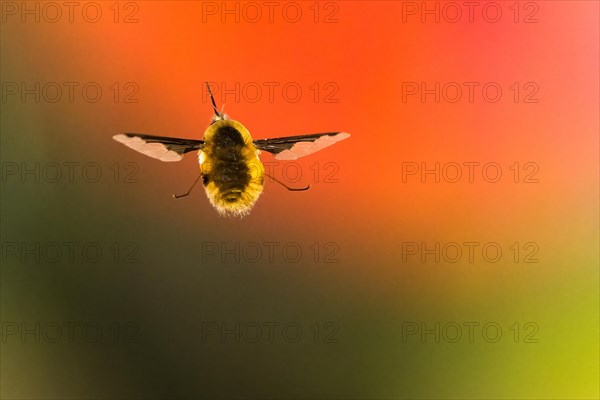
(232, 173)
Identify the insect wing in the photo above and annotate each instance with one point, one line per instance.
(294, 147)
(164, 148)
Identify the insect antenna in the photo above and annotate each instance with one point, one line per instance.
(178, 196)
(291, 189)
(212, 99)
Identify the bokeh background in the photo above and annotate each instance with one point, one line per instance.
(157, 290)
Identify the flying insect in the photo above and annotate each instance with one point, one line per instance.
(230, 167)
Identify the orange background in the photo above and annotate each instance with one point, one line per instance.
(367, 53)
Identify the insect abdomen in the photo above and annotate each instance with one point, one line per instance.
(231, 178)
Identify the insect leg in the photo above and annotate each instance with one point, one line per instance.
(178, 196)
(286, 186)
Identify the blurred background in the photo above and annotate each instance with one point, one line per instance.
(448, 249)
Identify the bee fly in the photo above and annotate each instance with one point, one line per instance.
(230, 169)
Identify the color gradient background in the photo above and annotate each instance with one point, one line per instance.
(371, 294)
